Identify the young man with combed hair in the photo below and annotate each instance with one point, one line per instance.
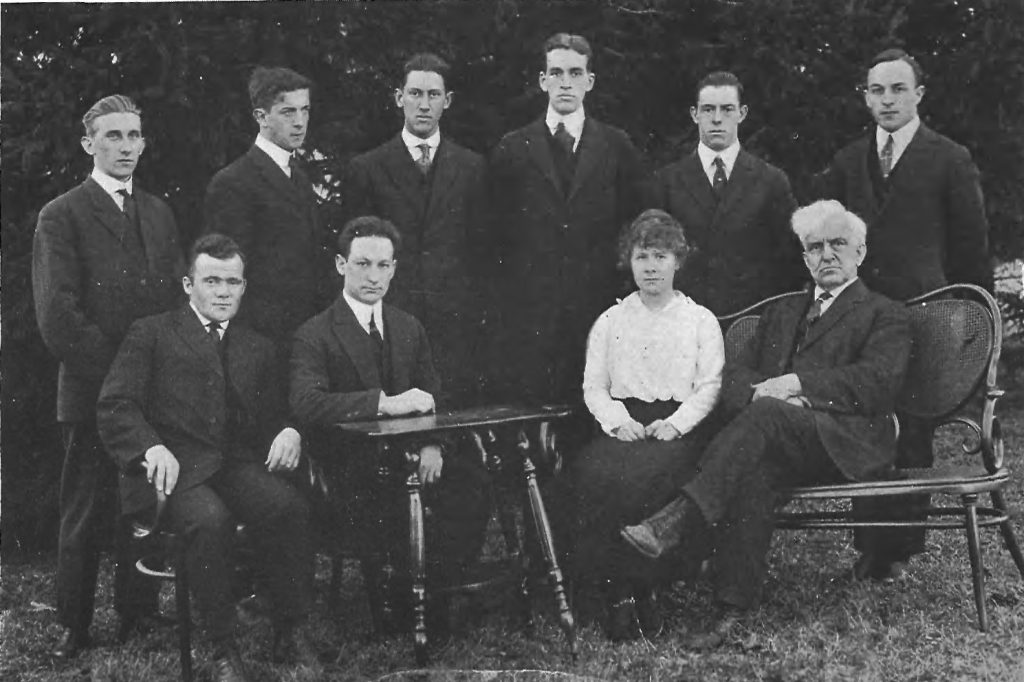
(734, 206)
(561, 189)
(105, 254)
(920, 195)
(194, 409)
(432, 190)
(264, 200)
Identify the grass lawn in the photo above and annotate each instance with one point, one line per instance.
(816, 624)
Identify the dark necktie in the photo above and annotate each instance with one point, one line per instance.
(378, 346)
(213, 331)
(423, 163)
(814, 312)
(719, 180)
(565, 140)
(299, 178)
(885, 158)
(128, 206)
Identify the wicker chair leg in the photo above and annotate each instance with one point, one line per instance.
(181, 599)
(974, 549)
(999, 502)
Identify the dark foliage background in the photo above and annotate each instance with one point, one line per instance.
(187, 65)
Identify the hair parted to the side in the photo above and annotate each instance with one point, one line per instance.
(812, 216)
(568, 41)
(897, 54)
(652, 229)
(267, 83)
(214, 245)
(719, 79)
(367, 226)
(111, 104)
(426, 61)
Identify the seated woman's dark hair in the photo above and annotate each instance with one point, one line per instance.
(652, 229)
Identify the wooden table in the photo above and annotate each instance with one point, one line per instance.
(531, 430)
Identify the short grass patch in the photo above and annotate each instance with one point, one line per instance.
(816, 624)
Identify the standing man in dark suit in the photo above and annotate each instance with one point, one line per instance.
(811, 396)
(197, 401)
(920, 194)
(362, 359)
(734, 207)
(264, 200)
(561, 189)
(432, 190)
(105, 254)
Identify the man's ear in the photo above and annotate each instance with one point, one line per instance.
(743, 113)
(186, 284)
(339, 263)
(87, 144)
(259, 115)
(398, 97)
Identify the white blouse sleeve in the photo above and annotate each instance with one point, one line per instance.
(608, 412)
(707, 379)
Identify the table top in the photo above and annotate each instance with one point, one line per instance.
(491, 415)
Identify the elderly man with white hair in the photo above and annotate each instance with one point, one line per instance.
(809, 399)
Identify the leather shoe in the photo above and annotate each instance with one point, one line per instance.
(72, 643)
(725, 620)
(140, 625)
(228, 666)
(292, 646)
(648, 614)
(622, 622)
(871, 567)
(664, 529)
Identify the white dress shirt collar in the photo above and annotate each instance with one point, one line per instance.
(363, 312)
(900, 138)
(112, 186)
(818, 291)
(573, 123)
(279, 155)
(412, 143)
(707, 159)
(205, 321)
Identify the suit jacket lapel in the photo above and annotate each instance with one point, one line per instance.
(106, 211)
(274, 176)
(446, 170)
(736, 190)
(191, 331)
(593, 149)
(403, 172)
(789, 328)
(844, 303)
(356, 343)
(918, 154)
(240, 358)
(693, 178)
(540, 151)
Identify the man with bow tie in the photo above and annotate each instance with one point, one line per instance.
(810, 399)
(105, 254)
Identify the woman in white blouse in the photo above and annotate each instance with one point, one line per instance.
(653, 373)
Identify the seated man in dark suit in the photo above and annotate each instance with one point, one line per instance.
(197, 401)
(811, 395)
(361, 359)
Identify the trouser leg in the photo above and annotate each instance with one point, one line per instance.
(769, 446)
(87, 495)
(206, 524)
(913, 450)
(279, 519)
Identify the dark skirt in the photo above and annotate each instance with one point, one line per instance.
(615, 483)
